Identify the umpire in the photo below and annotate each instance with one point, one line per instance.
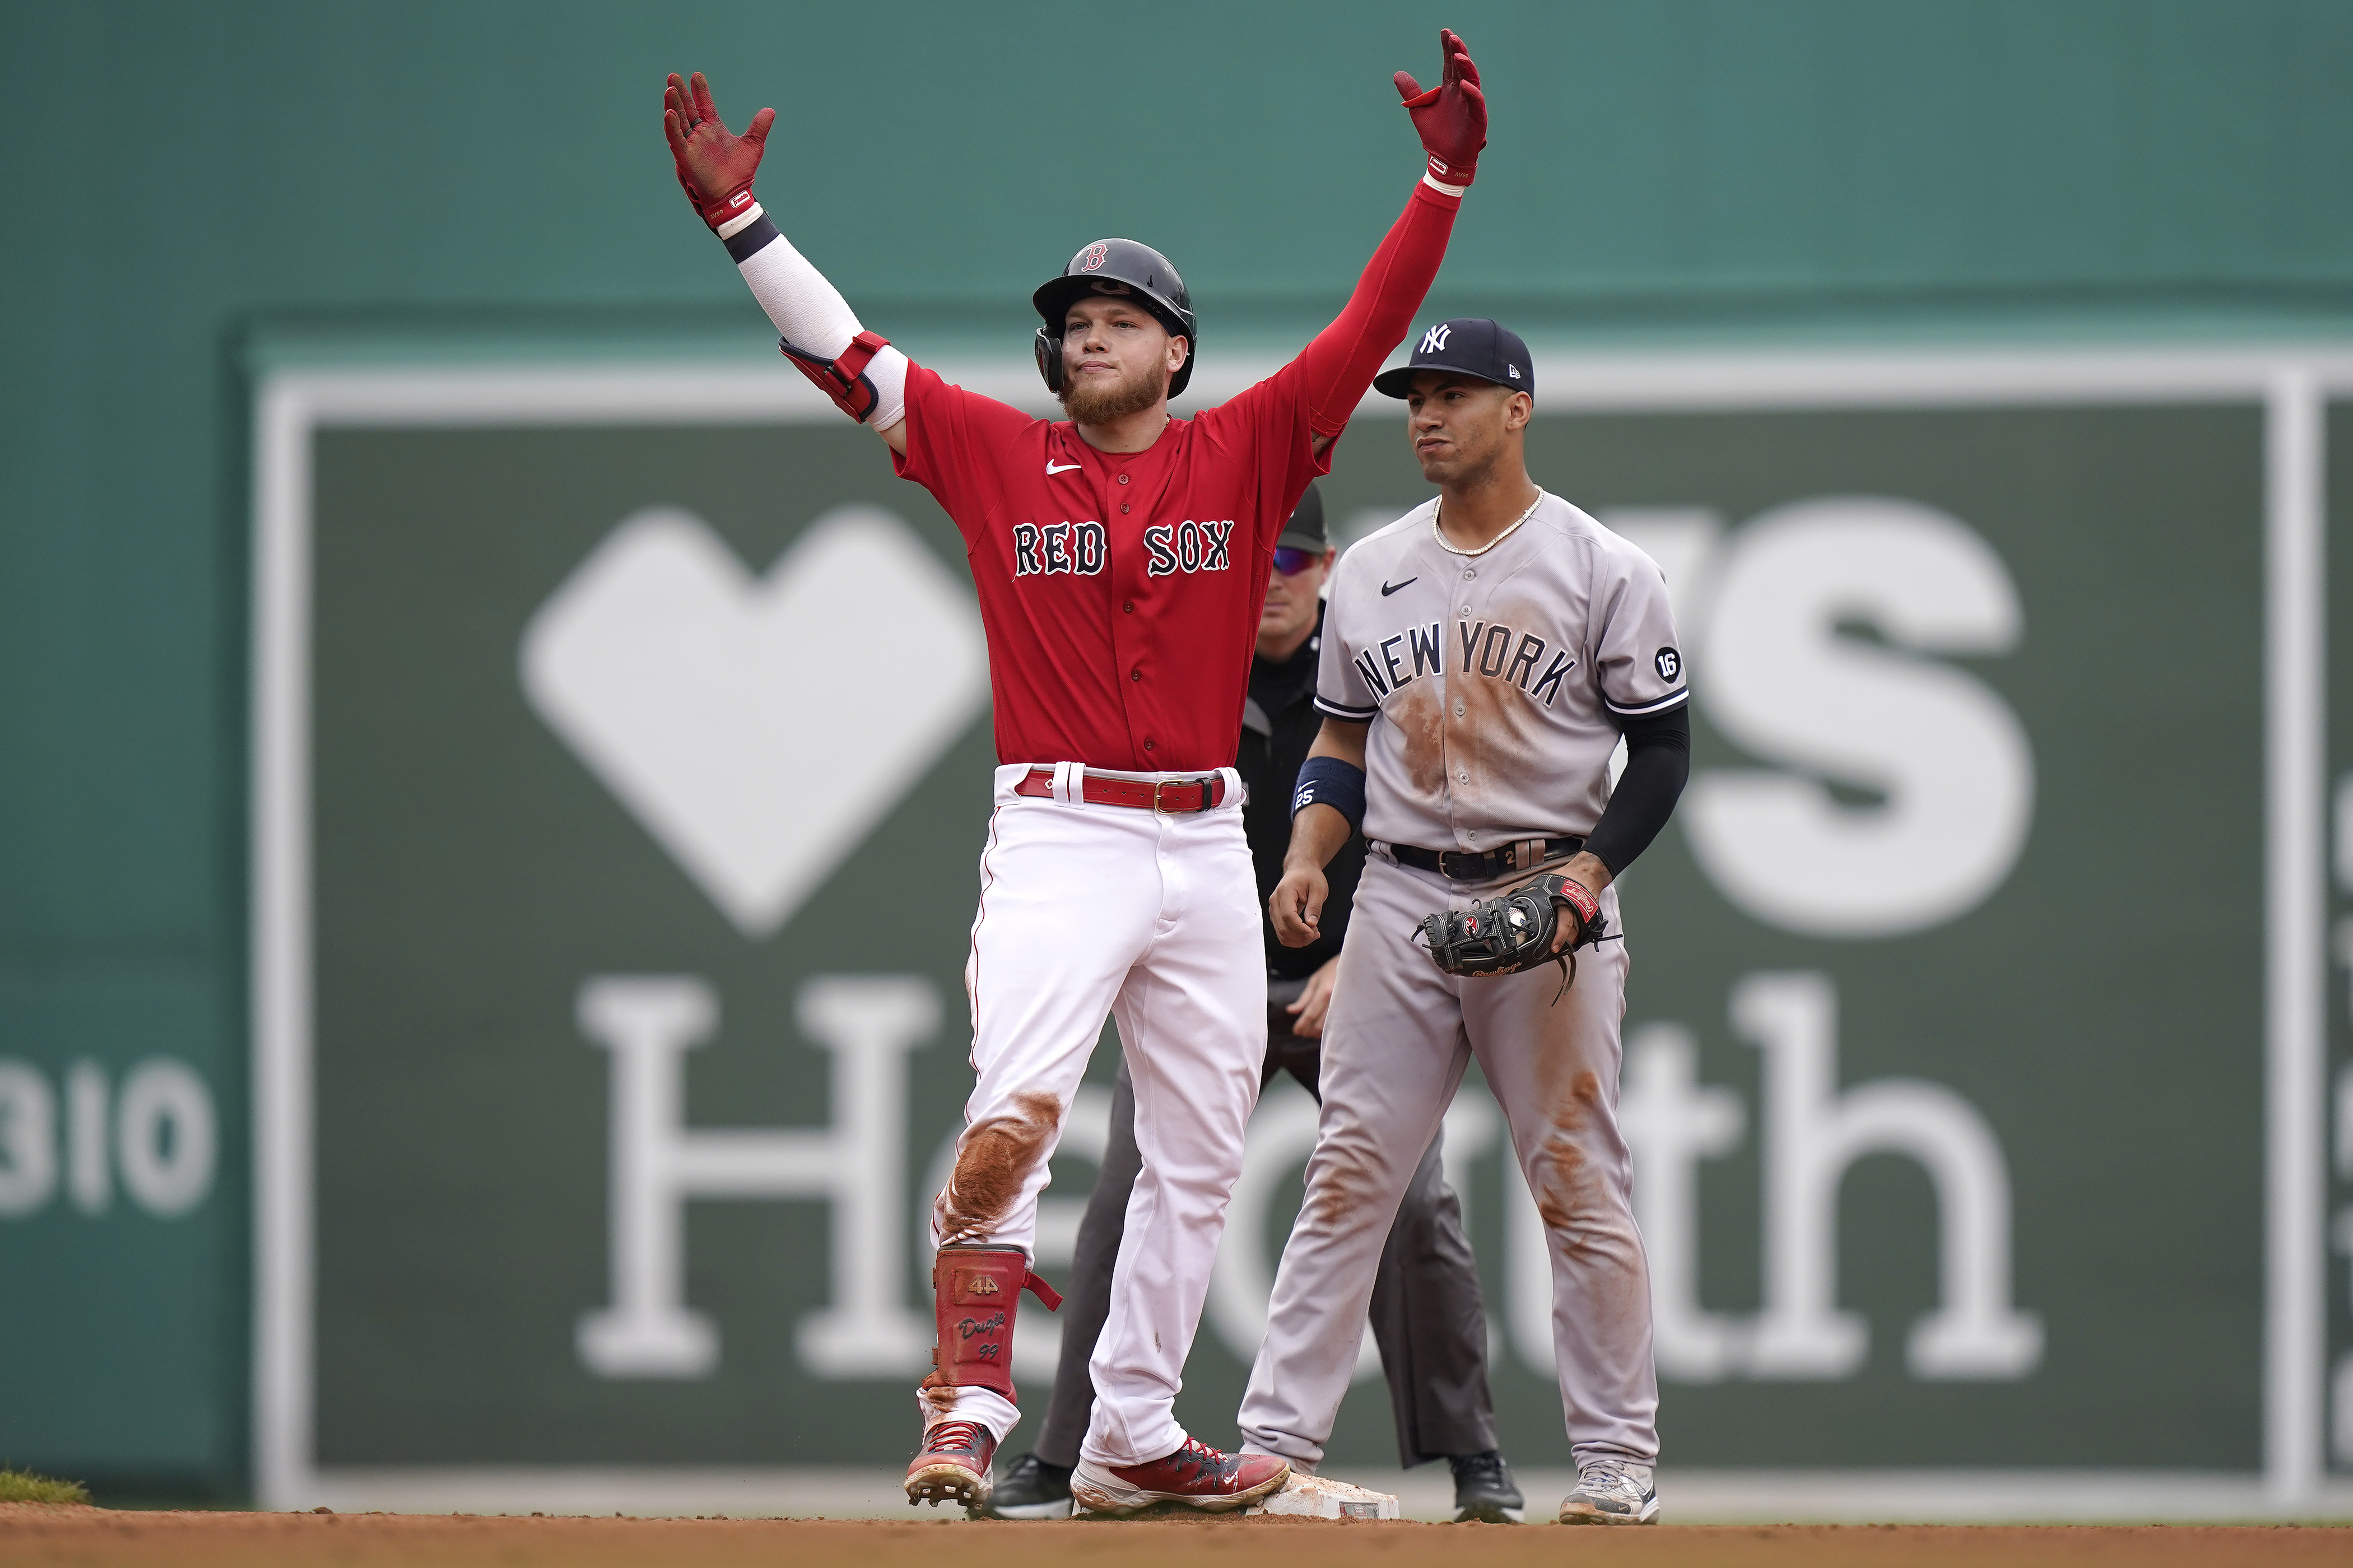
(1427, 1314)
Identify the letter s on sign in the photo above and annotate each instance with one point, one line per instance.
(1779, 681)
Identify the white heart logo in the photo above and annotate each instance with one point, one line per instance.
(758, 728)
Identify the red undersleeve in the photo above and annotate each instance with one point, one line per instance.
(1345, 356)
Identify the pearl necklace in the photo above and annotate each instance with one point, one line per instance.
(1457, 550)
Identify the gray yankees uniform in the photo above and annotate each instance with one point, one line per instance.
(1497, 685)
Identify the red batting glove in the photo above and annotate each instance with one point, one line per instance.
(1452, 117)
(716, 166)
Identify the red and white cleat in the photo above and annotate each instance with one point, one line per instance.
(1196, 1475)
(954, 1465)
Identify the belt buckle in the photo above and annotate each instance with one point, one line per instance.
(1159, 785)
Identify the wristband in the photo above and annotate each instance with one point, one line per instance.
(735, 204)
(1577, 896)
(1328, 780)
(742, 220)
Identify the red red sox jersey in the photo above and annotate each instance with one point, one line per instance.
(1119, 592)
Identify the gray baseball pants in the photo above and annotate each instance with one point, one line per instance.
(1427, 1312)
(1395, 1043)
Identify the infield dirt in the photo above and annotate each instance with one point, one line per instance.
(100, 1538)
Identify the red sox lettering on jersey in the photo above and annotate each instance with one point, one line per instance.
(1121, 590)
(1078, 549)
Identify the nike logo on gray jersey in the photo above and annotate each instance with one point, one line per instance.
(1389, 588)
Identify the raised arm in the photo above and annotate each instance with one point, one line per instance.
(1452, 118)
(863, 374)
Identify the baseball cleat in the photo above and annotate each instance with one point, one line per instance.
(1612, 1491)
(1033, 1488)
(1485, 1493)
(1196, 1475)
(953, 1466)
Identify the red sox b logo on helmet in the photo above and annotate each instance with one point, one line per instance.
(1095, 256)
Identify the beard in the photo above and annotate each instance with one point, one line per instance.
(1096, 403)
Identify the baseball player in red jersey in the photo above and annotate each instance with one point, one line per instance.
(1121, 557)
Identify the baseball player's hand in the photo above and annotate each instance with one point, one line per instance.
(1590, 870)
(1315, 1001)
(1450, 117)
(714, 166)
(1296, 905)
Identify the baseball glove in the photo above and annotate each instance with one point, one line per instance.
(1515, 931)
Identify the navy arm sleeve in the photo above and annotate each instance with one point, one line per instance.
(1658, 760)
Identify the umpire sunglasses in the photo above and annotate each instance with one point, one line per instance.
(1291, 561)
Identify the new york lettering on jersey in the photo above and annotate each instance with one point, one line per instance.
(1119, 590)
(1497, 681)
(1489, 648)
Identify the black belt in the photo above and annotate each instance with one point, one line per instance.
(1485, 866)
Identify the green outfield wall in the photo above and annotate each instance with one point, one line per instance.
(334, 281)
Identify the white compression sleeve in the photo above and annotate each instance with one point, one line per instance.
(810, 311)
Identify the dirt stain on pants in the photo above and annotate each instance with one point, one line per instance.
(993, 1165)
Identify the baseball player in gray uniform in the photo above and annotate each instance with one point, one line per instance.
(1483, 656)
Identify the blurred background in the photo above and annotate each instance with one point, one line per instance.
(1981, 374)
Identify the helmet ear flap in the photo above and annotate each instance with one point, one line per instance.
(1048, 347)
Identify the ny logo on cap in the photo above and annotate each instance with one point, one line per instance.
(1434, 341)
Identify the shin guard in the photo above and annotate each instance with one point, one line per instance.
(978, 1290)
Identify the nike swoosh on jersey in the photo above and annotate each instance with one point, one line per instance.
(1053, 467)
(1389, 588)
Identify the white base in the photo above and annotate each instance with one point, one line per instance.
(1317, 1497)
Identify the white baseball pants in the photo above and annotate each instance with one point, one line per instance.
(1395, 1043)
(1088, 911)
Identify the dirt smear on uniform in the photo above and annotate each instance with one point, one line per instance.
(996, 1159)
(1422, 723)
(1496, 729)
(938, 1395)
(1565, 1185)
(1331, 1196)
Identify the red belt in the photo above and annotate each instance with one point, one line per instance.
(1169, 795)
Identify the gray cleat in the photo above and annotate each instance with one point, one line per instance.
(1485, 1493)
(1612, 1491)
(1033, 1488)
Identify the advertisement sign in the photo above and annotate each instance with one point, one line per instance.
(621, 768)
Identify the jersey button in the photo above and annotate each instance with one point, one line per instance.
(1129, 607)
(1123, 506)
(1147, 745)
(1469, 572)
(1135, 675)
(1461, 775)
(1122, 478)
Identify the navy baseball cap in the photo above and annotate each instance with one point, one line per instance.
(1305, 529)
(1470, 345)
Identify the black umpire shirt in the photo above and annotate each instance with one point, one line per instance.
(1279, 723)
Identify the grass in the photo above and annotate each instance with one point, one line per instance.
(19, 1486)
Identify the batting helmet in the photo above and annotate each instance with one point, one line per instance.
(1115, 267)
